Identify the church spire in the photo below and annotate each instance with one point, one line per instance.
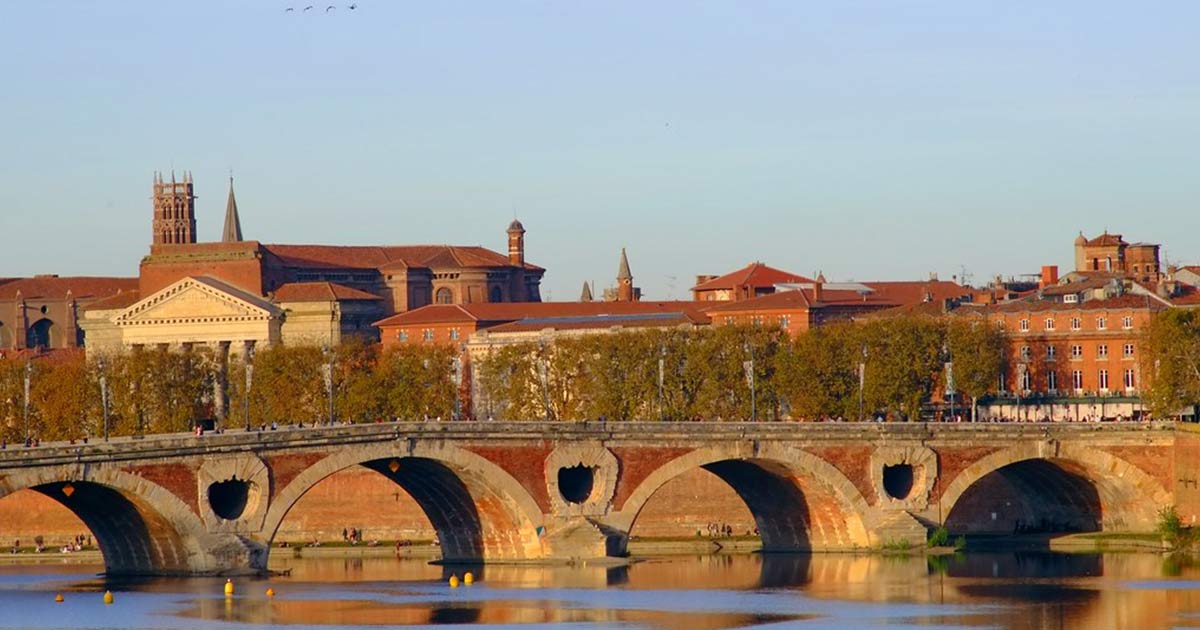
(233, 226)
(586, 294)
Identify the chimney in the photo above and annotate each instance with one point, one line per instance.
(817, 290)
(1049, 276)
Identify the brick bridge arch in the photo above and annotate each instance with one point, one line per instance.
(140, 527)
(799, 501)
(1052, 486)
(479, 510)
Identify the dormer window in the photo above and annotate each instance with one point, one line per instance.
(1071, 298)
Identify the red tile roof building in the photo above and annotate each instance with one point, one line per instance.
(43, 311)
(753, 280)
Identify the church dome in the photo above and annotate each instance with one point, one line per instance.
(516, 226)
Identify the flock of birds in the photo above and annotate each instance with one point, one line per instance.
(310, 7)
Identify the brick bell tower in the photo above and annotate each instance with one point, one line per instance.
(174, 210)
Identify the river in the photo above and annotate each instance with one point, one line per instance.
(1018, 590)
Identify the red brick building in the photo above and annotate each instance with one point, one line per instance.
(749, 282)
(800, 309)
(43, 312)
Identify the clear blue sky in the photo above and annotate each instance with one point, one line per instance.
(870, 140)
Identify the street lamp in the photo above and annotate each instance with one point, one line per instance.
(862, 377)
(248, 358)
(103, 395)
(542, 369)
(328, 369)
(662, 356)
(28, 376)
(749, 367)
(457, 365)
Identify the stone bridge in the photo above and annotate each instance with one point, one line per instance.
(535, 491)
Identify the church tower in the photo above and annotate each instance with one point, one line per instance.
(625, 290)
(516, 244)
(174, 210)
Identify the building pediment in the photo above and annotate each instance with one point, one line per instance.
(197, 300)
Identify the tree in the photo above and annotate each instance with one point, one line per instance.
(1171, 355)
(978, 351)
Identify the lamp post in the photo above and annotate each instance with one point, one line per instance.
(542, 369)
(103, 395)
(749, 367)
(328, 374)
(249, 360)
(28, 377)
(457, 365)
(662, 356)
(862, 377)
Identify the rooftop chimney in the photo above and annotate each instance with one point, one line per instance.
(1049, 276)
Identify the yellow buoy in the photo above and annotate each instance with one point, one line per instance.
(453, 581)
(270, 592)
(58, 598)
(468, 578)
(108, 598)
(228, 588)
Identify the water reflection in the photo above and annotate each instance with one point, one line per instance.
(1018, 590)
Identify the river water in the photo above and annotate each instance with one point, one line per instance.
(1019, 590)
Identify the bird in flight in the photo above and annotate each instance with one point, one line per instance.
(352, 7)
(289, 9)
(308, 8)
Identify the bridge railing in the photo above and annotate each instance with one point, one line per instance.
(185, 444)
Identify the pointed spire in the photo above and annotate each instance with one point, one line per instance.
(233, 225)
(623, 272)
(586, 295)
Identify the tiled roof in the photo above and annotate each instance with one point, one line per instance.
(55, 288)
(908, 292)
(644, 320)
(122, 300)
(755, 275)
(381, 257)
(319, 292)
(1124, 301)
(802, 298)
(1106, 239)
(493, 312)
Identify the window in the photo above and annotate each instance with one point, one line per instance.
(1051, 381)
(1049, 323)
(1025, 353)
(1071, 298)
(1102, 351)
(427, 335)
(1002, 385)
(1076, 353)
(444, 296)
(496, 295)
(1103, 380)
(1127, 351)
(1026, 381)
(1101, 323)
(1075, 323)
(1129, 379)
(1024, 325)
(402, 335)
(785, 321)
(1127, 322)
(1051, 353)
(1077, 379)
(453, 334)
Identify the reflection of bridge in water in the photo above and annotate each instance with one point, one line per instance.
(544, 491)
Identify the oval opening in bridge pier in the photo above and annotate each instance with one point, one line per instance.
(228, 498)
(898, 481)
(575, 483)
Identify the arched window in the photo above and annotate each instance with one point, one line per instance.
(496, 295)
(444, 296)
(38, 334)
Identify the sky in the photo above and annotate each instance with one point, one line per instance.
(868, 140)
